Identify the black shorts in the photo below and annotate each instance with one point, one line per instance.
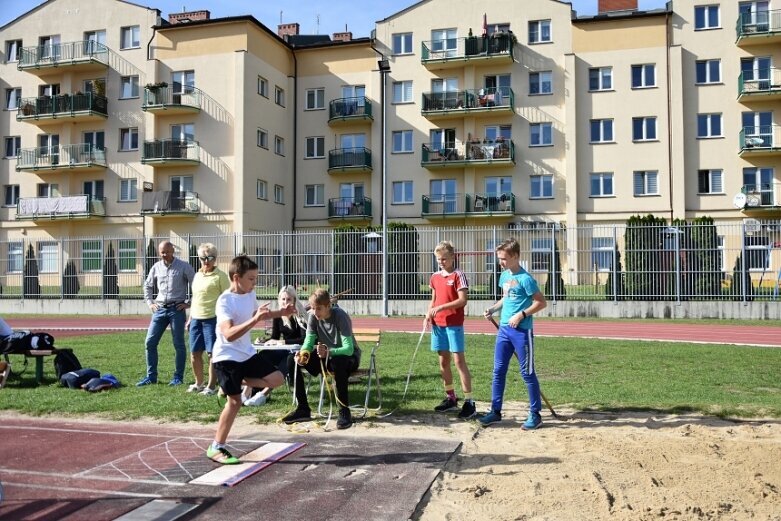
(230, 374)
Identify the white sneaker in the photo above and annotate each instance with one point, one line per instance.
(258, 399)
(207, 391)
(195, 388)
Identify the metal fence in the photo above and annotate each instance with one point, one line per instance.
(740, 261)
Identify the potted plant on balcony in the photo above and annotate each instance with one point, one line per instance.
(154, 87)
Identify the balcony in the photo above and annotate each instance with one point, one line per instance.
(170, 203)
(75, 56)
(350, 110)
(48, 110)
(460, 103)
(759, 28)
(762, 197)
(171, 152)
(167, 101)
(53, 208)
(84, 156)
(490, 204)
(357, 159)
(762, 85)
(444, 206)
(476, 50)
(498, 153)
(357, 208)
(764, 140)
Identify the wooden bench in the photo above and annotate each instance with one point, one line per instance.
(39, 355)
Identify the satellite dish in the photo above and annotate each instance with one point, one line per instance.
(751, 225)
(739, 201)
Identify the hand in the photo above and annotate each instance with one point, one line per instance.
(287, 310)
(488, 313)
(426, 320)
(187, 325)
(154, 307)
(515, 320)
(433, 312)
(302, 358)
(182, 306)
(322, 350)
(262, 313)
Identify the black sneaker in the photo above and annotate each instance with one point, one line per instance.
(468, 410)
(345, 420)
(298, 415)
(447, 405)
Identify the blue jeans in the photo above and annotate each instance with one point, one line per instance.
(203, 334)
(160, 320)
(521, 343)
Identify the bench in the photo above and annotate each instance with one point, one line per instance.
(38, 355)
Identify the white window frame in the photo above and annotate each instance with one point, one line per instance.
(715, 177)
(91, 253)
(128, 190)
(541, 249)
(540, 79)
(401, 142)
(12, 144)
(602, 249)
(407, 194)
(539, 184)
(13, 96)
(132, 33)
(536, 27)
(645, 120)
(261, 190)
(263, 138)
(127, 255)
(130, 132)
(706, 10)
(279, 146)
(708, 80)
(15, 257)
(130, 82)
(279, 95)
(48, 254)
(402, 92)
(603, 125)
(709, 120)
(314, 195)
(315, 147)
(10, 195)
(646, 176)
(279, 194)
(263, 86)
(12, 50)
(600, 77)
(644, 81)
(315, 99)
(601, 178)
(401, 43)
(538, 130)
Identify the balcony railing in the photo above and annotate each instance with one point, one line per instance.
(344, 207)
(60, 207)
(759, 83)
(61, 157)
(444, 205)
(163, 151)
(62, 105)
(760, 140)
(490, 203)
(344, 109)
(359, 159)
(170, 202)
(497, 153)
(469, 48)
(468, 101)
(758, 24)
(165, 98)
(62, 54)
(763, 195)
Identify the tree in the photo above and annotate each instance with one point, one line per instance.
(194, 258)
(555, 276)
(31, 286)
(149, 261)
(644, 276)
(702, 273)
(110, 277)
(741, 279)
(70, 281)
(617, 292)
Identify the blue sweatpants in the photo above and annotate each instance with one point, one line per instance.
(520, 342)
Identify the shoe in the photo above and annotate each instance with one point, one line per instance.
(298, 415)
(176, 381)
(195, 388)
(533, 421)
(447, 405)
(257, 400)
(208, 391)
(222, 455)
(468, 410)
(345, 420)
(146, 381)
(490, 418)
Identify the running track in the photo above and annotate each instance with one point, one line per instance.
(731, 332)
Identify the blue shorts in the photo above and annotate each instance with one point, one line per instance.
(447, 338)
(203, 334)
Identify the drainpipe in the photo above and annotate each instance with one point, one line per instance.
(668, 41)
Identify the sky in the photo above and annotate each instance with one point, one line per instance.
(315, 17)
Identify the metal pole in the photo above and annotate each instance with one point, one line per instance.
(384, 76)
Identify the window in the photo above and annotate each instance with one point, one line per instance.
(758, 252)
(708, 71)
(541, 134)
(444, 43)
(601, 184)
(759, 182)
(542, 250)
(315, 147)
(126, 254)
(600, 78)
(12, 97)
(402, 192)
(262, 138)
(11, 195)
(130, 37)
(12, 146)
(539, 31)
(646, 183)
(261, 190)
(602, 249)
(602, 131)
(493, 132)
(708, 125)
(402, 141)
(47, 257)
(721, 249)
(263, 86)
(279, 194)
(15, 257)
(48, 190)
(402, 43)
(541, 187)
(709, 182)
(643, 76)
(128, 87)
(497, 186)
(94, 189)
(90, 255)
(128, 139)
(402, 92)
(644, 129)
(315, 99)
(315, 195)
(13, 49)
(541, 82)
(706, 17)
(279, 96)
(95, 140)
(49, 47)
(52, 89)
(279, 146)
(128, 190)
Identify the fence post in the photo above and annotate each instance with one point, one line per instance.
(554, 281)
(281, 260)
(495, 281)
(743, 263)
(616, 274)
(678, 265)
(333, 275)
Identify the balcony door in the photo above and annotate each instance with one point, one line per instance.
(444, 92)
(94, 144)
(756, 71)
(356, 105)
(49, 48)
(181, 191)
(350, 199)
(444, 43)
(94, 42)
(759, 182)
(182, 136)
(754, 16)
(443, 196)
(93, 189)
(49, 148)
(183, 82)
(758, 128)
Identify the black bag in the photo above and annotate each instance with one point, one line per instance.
(21, 341)
(65, 362)
(75, 379)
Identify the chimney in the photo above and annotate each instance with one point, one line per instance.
(191, 16)
(287, 30)
(606, 6)
(343, 37)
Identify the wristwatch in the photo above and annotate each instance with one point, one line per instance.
(524, 314)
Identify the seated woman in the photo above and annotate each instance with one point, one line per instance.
(330, 332)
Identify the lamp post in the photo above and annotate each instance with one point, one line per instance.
(384, 67)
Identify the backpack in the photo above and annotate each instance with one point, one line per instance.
(65, 362)
(21, 341)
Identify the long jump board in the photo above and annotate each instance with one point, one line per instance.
(251, 463)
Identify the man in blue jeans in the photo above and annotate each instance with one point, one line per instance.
(174, 278)
(521, 298)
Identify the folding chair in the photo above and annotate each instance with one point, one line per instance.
(364, 337)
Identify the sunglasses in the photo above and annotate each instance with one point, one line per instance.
(208, 258)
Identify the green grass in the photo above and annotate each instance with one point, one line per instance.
(580, 373)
